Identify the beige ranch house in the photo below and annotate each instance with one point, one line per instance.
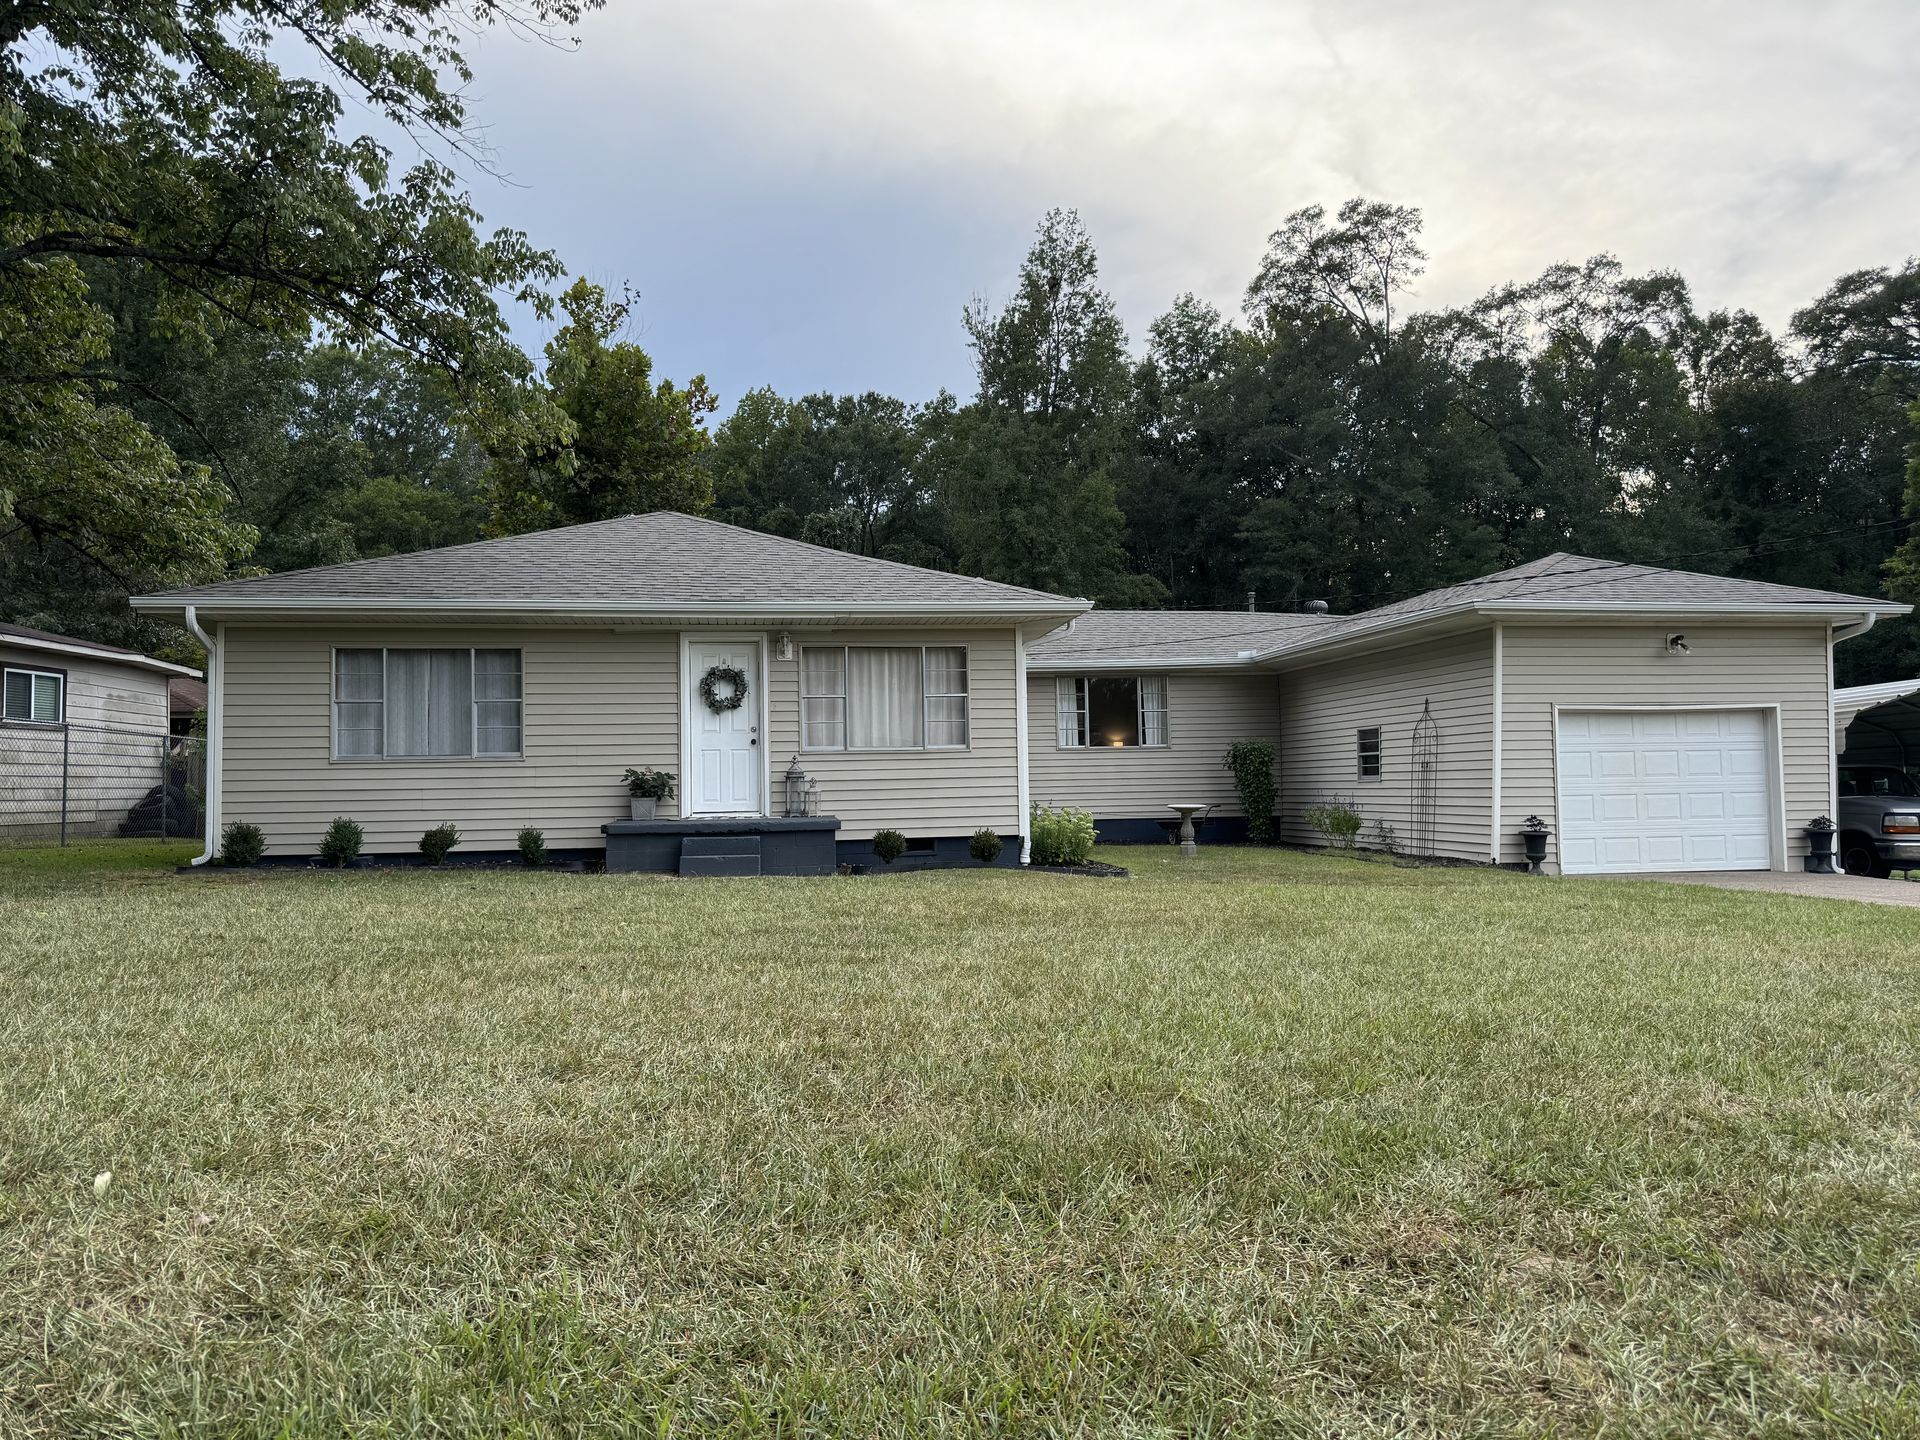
(1653, 719)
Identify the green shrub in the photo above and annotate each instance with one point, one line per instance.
(1338, 821)
(242, 845)
(649, 784)
(889, 845)
(437, 842)
(984, 847)
(1251, 762)
(341, 844)
(533, 847)
(1062, 837)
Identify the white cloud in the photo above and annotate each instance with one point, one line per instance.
(814, 189)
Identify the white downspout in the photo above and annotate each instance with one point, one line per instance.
(1499, 704)
(216, 695)
(1020, 742)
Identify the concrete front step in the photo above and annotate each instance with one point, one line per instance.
(720, 855)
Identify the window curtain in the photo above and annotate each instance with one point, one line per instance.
(496, 702)
(1153, 710)
(358, 730)
(884, 699)
(946, 695)
(823, 702)
(1070, 712)
(429, 703)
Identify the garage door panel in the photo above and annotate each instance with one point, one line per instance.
(1664, 790)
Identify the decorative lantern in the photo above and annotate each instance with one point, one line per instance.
(796, 788)
(813, 796)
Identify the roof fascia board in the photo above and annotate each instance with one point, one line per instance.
(1010, 610)
(1069, 666)
(1694, 610)
(89, 652)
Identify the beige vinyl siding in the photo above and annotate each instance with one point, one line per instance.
(595, 703)
(1627, 665)
(1324, 707)
(1206, 712)
(921, 793)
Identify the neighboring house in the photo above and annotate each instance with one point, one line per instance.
(82, 730)
(1655, 719)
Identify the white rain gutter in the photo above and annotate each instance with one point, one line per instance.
(1866, 623)
(1020, 726)
(216, 695)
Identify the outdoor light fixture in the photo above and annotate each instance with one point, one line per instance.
(783, 646)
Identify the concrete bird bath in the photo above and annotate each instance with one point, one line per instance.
(1186, 813)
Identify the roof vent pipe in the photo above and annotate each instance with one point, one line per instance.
(1249, 601)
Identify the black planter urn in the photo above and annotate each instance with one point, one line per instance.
(1534, 837)
(1819, 860)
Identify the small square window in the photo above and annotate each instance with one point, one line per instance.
(1369, 753)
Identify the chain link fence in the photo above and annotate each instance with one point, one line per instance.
(76, 781)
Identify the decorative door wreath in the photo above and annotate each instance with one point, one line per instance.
(723, 688)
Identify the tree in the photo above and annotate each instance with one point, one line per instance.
(153, 147)
(629, 445)
(1026, 473)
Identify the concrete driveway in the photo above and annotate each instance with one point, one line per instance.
(1798, 882)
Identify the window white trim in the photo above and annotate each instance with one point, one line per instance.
(474, 752)
(34, 715)
(1073, 711)
(1363, 747)
(926, 694)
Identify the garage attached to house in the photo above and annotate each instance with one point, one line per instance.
(1665, 789)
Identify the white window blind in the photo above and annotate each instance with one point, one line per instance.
(437, 704)
(36, 695)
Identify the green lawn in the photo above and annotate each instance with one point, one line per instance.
(1263, 1143)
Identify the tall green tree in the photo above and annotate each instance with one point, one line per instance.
(155, 148)
(629, 445)
(1026, 474)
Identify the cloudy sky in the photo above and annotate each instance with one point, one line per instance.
(805, 195)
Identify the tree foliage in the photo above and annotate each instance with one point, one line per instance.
(628, 444)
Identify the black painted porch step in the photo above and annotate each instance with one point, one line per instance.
(720, 855)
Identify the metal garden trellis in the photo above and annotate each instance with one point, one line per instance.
(1426, 779)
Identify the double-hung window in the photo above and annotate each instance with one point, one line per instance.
(36, 695)
(1095, 710)
(1367, 747)
(440, 704)
(883, 697)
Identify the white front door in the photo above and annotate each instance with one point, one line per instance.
(1664, 790)
(725, 749)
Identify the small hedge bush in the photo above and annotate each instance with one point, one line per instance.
(437, 842)
(242, 845)
(1338, 821)
(341, 844)
(533, 848)
(889, 845)
(984, 847)
(1062, 837)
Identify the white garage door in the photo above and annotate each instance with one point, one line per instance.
(1663, 790)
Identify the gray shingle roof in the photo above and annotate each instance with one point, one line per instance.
(1121, 637)
(1220, 637)
(27, 632)
(662, 558)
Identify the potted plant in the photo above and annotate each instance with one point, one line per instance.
(647, 788)
(1533, 834)
(1819, 833)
